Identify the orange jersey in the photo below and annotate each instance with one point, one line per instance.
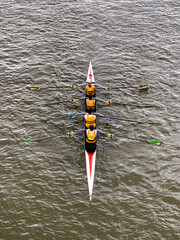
(90, 90)
(90, 120)
(90, 103)
(91, 136)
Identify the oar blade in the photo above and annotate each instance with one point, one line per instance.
(23, 141)
(108, 101)
(33, 88)
(143, 87)
(110, 135)
(153, 123)
(71, 115)
(156, 142)
(70, 133)
(109, 117)
(147, 106)
(107, 88)
(74, 100)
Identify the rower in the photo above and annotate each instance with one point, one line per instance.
(90, 89)
(91, 134)
(90, 103)
(90, 119)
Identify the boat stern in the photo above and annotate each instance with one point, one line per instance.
(90, 167)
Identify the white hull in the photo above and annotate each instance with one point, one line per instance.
(90, 168)
(90, 157)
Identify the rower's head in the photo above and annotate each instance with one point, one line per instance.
(89, 84)
(91, 127)
(90, 111)
(90, 96)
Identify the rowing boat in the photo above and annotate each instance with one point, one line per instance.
(90, 149)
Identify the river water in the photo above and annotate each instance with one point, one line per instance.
(43, 185)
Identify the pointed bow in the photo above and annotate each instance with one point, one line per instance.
(90, 76)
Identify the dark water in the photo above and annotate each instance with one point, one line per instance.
(43, 186)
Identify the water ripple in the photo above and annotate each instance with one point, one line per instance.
(43, 184)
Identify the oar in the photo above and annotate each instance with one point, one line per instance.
(124, 104)
(40, 139)
(141, 87)
(70, 100)
(75, 115)
(45, 88)
(129, 120)
(128, 104)
(63, 115)
(54, 87)
(156, 142)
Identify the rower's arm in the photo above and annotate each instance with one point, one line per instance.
(93, 87)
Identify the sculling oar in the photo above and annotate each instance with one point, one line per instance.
(70, 100)
(156, 142)
(75, 115)
(45, 88)
(128, 120)
(141, 87)
(64, 115)
(128, 104)
(53, 87)
(40, 139)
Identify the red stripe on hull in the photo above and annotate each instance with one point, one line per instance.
(90, 75)
(90, 155)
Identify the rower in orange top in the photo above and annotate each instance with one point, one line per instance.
(90, 119)
(90, 89)
(90, 103)
(91, 134)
